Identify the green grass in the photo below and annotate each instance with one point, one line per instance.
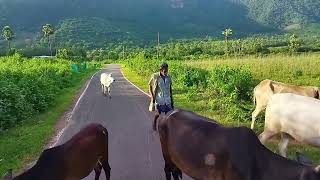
(180, 97)
(199, 103)
(22, 144)
(300, 69)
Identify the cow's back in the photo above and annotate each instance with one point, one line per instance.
(279, 87)
(201, 147)
(266, 88)
(74, 159)
(294, 114)
(93, 139)
(106, 79)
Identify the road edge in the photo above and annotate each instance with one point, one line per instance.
(132, 83)
(68, 115)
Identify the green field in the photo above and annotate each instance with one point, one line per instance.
(302, 70)
(25, 135)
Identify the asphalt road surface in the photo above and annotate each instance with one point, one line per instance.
(134, 149)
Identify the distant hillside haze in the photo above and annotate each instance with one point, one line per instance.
(142, 19)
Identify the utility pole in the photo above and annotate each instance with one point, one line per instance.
(158, 46)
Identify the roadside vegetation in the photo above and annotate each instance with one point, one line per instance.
(222, 88)
(34, 94)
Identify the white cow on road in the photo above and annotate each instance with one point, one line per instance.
(106, 81)
(292, 115)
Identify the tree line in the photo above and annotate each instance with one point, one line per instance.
(8, 35)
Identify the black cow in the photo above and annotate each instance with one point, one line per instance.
(205, 150)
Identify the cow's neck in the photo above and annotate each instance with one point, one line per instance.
(275, 167)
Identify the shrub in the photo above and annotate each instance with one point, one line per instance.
(30, 86)
(234, 83)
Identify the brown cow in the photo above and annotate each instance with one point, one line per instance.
(208, 151)
(73, 160)
(266, 88)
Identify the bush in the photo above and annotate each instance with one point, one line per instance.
(226, 89)
(196, 77)
(234, 83)
(30, 86)
(13, 104)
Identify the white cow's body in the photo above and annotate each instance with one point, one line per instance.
(106, 81)
(294, 115)
(265, 89)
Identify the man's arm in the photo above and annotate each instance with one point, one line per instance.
(151, 89)
(151, 93)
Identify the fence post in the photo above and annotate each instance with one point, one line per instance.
(75, 68)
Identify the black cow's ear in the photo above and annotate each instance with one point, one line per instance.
(302, 159)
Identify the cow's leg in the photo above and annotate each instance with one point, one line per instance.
(109, 92)
(255, 114)
(97, 170)
(106, 168)
(263, 137)
(165, 153)
(176, 173)
(169, 167)
(283, 145)
(102, 88)
(105, 161)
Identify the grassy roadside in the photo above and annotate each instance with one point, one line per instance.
(300, 69)
(180, 97)
(22, 144)
(199, 106)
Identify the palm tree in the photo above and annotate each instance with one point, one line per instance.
(293, 43)
(227, 33)
(8, 35)
(48, 31)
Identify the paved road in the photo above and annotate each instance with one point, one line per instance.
(134, 149)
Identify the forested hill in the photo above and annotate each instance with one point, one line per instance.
(141, 19)
(283, 13)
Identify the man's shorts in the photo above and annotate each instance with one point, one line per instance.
(163, 108)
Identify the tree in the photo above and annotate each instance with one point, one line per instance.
(227, 33)
(48, 31)
(8, 35)
(294, 43)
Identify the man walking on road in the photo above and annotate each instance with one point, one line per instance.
(160, 88)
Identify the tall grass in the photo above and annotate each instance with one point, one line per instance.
(214, 106)
(300, 70)
(29, 87)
